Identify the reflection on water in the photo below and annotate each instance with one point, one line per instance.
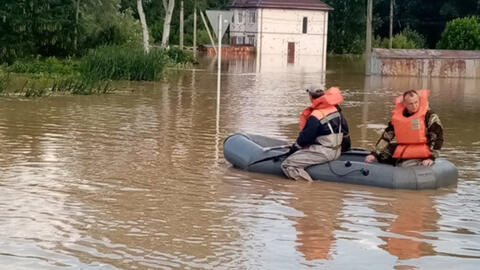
(414, 216)
(316, 228)
(136, 180)
(269, 63)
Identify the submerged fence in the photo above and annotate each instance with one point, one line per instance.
(425, 63)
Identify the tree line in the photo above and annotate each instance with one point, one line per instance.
(64, 28)
(427, 18)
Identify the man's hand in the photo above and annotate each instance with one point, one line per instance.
(370, 158)
(427, 162)
(294, 148)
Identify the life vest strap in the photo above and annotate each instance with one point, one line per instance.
(336, 147)
(329, 117)
(334, 115)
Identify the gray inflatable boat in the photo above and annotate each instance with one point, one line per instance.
(262, 154)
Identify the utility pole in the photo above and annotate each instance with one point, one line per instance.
(219, 58)
(391, 25)
(368, 47)
(219, 74)
(75, 38)
(181, 25)
(208, 31)
(195, 31)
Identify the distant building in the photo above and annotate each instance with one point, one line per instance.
(288, 31)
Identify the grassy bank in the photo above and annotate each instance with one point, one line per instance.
(91, 74)
(50, 65)
(120, 63)
(38, 85)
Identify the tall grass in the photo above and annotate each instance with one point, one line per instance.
(125, 63)
(4, 79)
(92, 73)
(50, 65)
(39, 86)
(80, 86)
(50, 76)
(180, 56)
(118, 63)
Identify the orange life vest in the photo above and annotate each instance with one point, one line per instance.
(410, 132)
(322, 106)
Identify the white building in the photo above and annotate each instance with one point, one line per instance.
(282, 31)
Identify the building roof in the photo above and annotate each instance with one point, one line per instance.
(281, 4)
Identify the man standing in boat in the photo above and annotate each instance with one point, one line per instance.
(417, 130)
(322, 129)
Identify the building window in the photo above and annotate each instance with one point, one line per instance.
(304, 26)
(240, 16)
(251, 39)
(239, 40)
(251, 18)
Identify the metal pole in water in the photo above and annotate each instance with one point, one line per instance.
(195, 31)
(219, 72)
(368, 47)
(391, 26)
(219, 57)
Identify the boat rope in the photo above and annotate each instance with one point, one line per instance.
(274, 158)
(364, 171)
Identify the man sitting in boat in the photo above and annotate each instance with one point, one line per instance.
(417, 130)
(322, 129)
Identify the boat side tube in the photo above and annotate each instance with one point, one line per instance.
(247, 152)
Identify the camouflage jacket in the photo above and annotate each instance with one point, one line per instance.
(384, 150)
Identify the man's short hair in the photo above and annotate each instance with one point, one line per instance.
(410, 93)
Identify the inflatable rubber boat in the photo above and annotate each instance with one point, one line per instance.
(262, 154)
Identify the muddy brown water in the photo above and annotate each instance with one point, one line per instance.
(137, 179)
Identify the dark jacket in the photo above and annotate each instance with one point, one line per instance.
(315, 128)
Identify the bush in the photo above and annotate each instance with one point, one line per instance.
(48, 65)
(202, 38)
(407, 39)
(400, 41)
(115, 29)
(180, 56)
(156, 31)
(355, 46)
(461, 34)
(415, 37)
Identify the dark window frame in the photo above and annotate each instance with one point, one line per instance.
(304, 25)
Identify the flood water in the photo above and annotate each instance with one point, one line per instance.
(137, 179)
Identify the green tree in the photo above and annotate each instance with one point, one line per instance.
(346, 26)
(461, 34)
(407, 39)
(104, 23)
(155, 14)
(31, 28)
(417, 39)
(34, 27)
(427, 17)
